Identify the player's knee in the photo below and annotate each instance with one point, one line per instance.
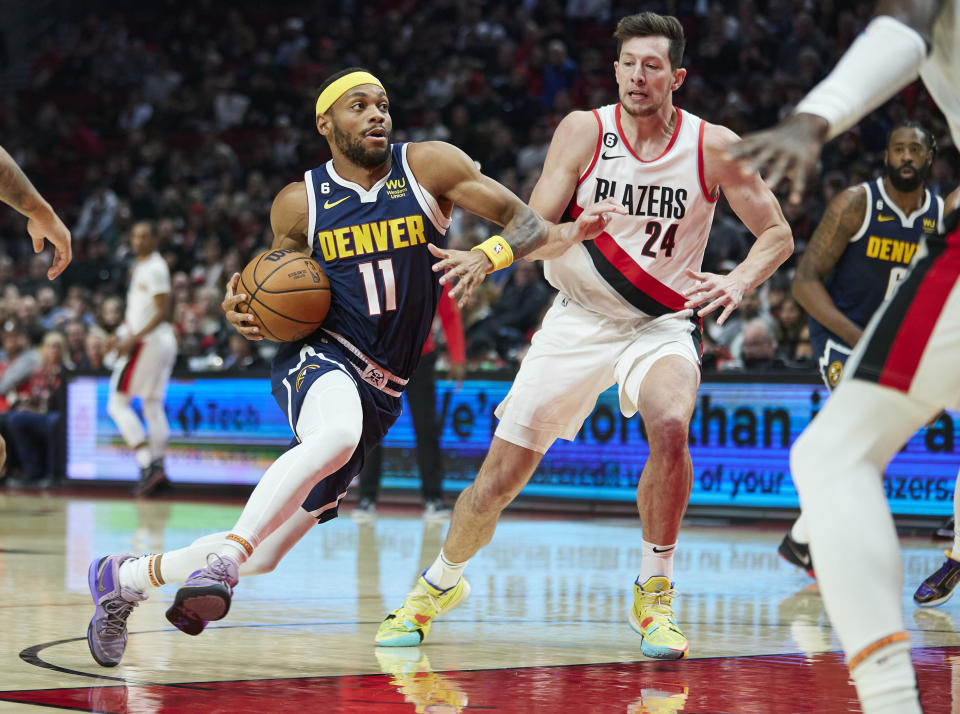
(116, 404)
(494, 488)
(807, 460)
(668, 433)
(343, 436)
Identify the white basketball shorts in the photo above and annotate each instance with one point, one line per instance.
(574, 357)
(145, 372)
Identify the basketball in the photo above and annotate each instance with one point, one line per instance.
(288, 294)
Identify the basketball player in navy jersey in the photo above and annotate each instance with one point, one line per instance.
(624, 315)
(904, 369)
(374, 217)
(857, 255)
(43, 224)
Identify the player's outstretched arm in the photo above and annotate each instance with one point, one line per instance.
(881, 61)
(839, 224)
(454, 178)
(288, 219)
(43, 224)
(572, 149)
(759, 210)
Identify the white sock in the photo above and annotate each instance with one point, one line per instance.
(142, 454)
(886, 683)
(141, 574)
(176, 566)
(656, 560)
(443, 574)
(329, 428)
(799, 530)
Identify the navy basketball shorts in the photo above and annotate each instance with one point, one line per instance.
(295, 368)
(913, 340)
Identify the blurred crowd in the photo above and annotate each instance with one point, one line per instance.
(194, 115)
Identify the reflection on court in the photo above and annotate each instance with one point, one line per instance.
(543, 630)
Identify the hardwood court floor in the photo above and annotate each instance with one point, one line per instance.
(544, 629)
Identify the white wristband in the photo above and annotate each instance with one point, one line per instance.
(884, 59)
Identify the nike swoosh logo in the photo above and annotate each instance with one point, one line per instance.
(662, 550)
(327, 204)
(100, 587)
(618, 156)
(884, 219)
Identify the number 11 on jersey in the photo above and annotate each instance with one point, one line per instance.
(370, 285)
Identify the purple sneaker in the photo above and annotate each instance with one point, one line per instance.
(107, 632)
(938, 588)
(205, 596)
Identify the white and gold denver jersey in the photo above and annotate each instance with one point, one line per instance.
(637, 267)
(941, 72)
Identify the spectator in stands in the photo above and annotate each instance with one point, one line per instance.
(146, 131)
(111, 314)
(19, 361)
(98, 211)
(516, 312)
(75, 333)
(34, 420)
(242, 356)
(759, 347)
(791, 321)
(94, 352)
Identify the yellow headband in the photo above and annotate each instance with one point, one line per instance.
(339, 87)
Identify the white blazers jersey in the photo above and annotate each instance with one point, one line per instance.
(637, 267)
(149, 277)
(941, 72)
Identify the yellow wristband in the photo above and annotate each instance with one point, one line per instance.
(497, 250)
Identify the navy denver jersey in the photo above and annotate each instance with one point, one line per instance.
(383, 296)
(870, 267)
(876, 258)
(373, 247)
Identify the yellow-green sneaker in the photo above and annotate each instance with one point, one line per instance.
(652, 618)
(409, 624)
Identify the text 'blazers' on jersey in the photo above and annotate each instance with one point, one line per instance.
(372, 244)
(637, 267)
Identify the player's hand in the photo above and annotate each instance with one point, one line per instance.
(469, 267)
(787, 151)
(125, 346)
(594, 219)
(243, 322)
(714, 291)
(46, 225)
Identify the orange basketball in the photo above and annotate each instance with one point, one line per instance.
(288, 294)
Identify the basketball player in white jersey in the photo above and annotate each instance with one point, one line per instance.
(43, 224)
(624, 315)
(904, 368)
(148, 349)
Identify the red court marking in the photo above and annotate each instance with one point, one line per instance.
(741, 685)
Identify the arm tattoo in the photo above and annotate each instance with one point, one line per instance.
(832, 236)
(525, 232)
